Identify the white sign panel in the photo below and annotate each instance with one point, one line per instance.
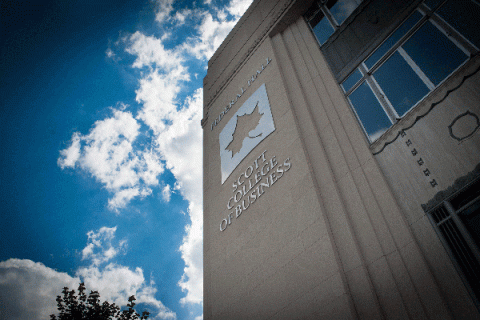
(252, 123)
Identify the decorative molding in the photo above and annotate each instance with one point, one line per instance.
(458, 185)
(226, 78)
(459, 117)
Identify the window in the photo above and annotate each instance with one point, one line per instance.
(434, 41)
(457, 223)
(324, 17)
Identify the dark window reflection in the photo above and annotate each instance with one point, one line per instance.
(463, 15)
(342, 9)
(400, 32)
(370, 112)
(323, 30)
(400, 83)
(351, 80)
(436, 56)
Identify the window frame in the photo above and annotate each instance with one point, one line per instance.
(428, 16)
(456, 239)
(323, 7)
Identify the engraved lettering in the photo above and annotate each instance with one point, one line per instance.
(241, 195)
(238, 211)
(221, 224)
(279, 171)
(273, 178)
(253, 197)
(273, 162)
(238, 181)
(243, 204)
(238, 95)
(249, 174)
(262, 156)
(258, 177)
(263, 184)
(229, 206)
(245, 194)
(263, 168)
(287, 164)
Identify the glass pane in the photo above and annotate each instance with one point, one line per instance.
(400, 32)
(311, 12)
(351, 80)
(464, 16)
(465, 196)
(342, 9)
(432, 4)
(369, 111)
(434, 53)
(400, 83)
(471, 219)
(323, 30)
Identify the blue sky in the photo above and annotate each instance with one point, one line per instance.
(101, 163)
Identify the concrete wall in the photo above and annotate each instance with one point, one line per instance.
(334, 237)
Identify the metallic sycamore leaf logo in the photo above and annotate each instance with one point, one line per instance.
(252, 123)
(245, 124)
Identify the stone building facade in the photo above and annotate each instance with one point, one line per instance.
(342, 162)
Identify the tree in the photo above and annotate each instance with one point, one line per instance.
(82, 307)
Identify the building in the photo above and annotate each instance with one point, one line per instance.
(342, 162)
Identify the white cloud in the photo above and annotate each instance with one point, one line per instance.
(211, 33)
(116, 283)
(150, 51)
(181, 147)
(110, 53)
(157, 94)
(166, 193)
(163, 10)
(108, 154)
(69, 157)
(182, 15)
(178, 141)
(192, 254)
(100, 247)
(214, 28)
(238, 7)
(28, 289)
(176, 127)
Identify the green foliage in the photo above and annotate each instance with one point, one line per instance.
(82, 307)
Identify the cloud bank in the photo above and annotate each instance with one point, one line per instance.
(110, 152)
(28, 289)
